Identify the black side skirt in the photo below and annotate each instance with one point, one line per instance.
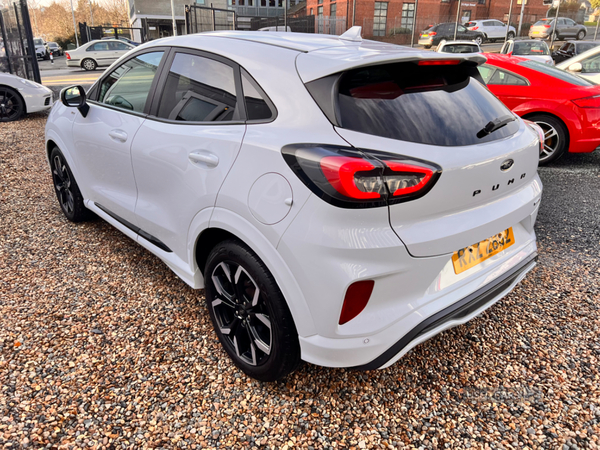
(160, 244)
(458, 310)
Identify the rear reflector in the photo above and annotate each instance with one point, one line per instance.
(439, 62)
(356, 299)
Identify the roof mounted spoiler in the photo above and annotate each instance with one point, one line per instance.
(352, 34)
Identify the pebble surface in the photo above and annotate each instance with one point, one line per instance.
(102, 346)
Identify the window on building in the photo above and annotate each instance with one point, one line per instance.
(380, 18)
(481, 2)
(320, 11)
(320, 2)
(408, 14)
(201, 2)
(333, 10)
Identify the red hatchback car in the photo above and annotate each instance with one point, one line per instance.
(565, 106)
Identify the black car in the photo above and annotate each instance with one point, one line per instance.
(572, 48)
(445, 31)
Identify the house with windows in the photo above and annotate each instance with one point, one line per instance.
(399, 17)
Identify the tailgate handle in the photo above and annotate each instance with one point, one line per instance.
(204, 158)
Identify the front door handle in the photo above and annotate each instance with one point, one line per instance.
(118, 135)
(204, 158)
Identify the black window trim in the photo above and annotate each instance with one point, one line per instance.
(162, 80)
(95, 89)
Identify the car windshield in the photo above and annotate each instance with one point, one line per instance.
(420, 103)
(531, 48)
(38, 42)
(543, 22)
(556, 73)
(460, 48)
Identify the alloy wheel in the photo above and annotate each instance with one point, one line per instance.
(62, 184)
(551, 140)
(11, 106)
(241, 313)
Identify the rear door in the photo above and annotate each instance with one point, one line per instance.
(184, 150)
(118, 49)
(436, 116)
(101, 53)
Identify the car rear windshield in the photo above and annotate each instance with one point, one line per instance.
(531, 48)
(556, 73)
(437, 105)
(460, 48)
(543, 22)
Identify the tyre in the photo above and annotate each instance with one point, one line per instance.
(556, 141)
(89, 64)
(556, 36)
(249, 313)
(479, 40)
(427, 46)
(580, 35)
(67, 192)
(12, 106)
(511, 35)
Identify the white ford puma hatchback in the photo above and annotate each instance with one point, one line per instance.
(339, 200)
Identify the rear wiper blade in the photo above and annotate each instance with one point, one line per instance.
(494, 125)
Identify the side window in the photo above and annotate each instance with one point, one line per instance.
(486, 72)
(128, 85)
(99, 47)
(119, 46)
(489, 23)
(257, 107)
(199, 89)
(591, 65)
(570, 22)
(502, 77)
(461, 29)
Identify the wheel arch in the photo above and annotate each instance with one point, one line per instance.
(223, 224)
(557, 117)
(19, 94)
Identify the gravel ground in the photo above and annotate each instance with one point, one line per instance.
(101, 346)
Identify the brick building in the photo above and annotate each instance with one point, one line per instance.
(391, 18)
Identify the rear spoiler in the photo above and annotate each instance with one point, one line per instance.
(328, 61)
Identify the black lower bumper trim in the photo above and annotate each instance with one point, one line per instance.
(460, 309)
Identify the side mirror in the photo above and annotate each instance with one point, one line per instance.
(74, 97)
(575, 67)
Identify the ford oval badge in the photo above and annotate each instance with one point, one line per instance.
(506, 165)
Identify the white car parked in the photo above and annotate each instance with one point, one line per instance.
(534, 49)
(458, 47)
(586, 65)
(339, 200)
(19, 96)
(493, 29)
(97, 53)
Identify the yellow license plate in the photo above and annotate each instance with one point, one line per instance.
(424, 35)
(470, 256)
(536, 32)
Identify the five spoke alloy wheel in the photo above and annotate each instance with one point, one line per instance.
(11, 104)
(249, 313)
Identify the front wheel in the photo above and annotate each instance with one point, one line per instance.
(580, 35)
(511, 35)
(12, 106)
(89, 64)
(479, 40)
(67, 192)
(556, 137)
(249, 313)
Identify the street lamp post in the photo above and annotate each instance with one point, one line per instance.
(74, 24)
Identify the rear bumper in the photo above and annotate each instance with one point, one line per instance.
(426, 41)
(456, 314)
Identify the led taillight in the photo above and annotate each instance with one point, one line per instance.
(474, 28)
(535, 127)
(547, 26)
(432, 33)
(588, 102)
(357, 178)
(439, 62)
(356, 299)
(67, 55)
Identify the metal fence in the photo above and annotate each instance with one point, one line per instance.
(202, 18)
(17, 49)
(88, 33)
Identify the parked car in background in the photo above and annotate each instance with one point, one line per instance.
(492, 29)
(124, 39)
(585, 65)
(445, 31)
(458, 47)
(572, 48)
(97, 53)
(55, 49)
(19, 96)
(269, 169)
(42, 51)
(534, 49)
(565, 106)
(563, 28)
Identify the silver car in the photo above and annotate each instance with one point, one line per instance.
(97, 53)
(534, 49)
(563, 28)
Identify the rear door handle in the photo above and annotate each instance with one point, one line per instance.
(204, 158)
(118, 135)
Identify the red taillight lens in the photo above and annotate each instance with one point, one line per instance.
(356, 299)
(433, 33)
(547, 26)
(67, 55)
(474, 28)
(356, 178)
(535, 127)
(588, 102)
(439, 62)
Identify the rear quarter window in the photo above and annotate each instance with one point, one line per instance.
(437, 105)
